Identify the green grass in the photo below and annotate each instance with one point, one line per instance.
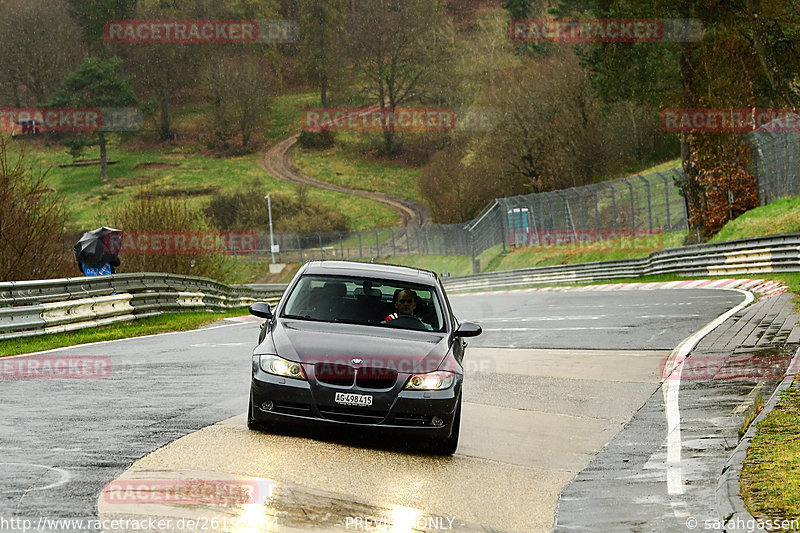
(457, 265)
(194, 176)
(781, 216)
(287, 112)
(609, 250)
(145, 326)
(770, 478)
(345, 165)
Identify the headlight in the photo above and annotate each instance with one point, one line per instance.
(432, 381)
(272, 364)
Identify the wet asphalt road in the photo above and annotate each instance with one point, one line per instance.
(62, 440)
(600, 320)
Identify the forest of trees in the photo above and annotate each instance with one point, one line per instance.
(564, 114)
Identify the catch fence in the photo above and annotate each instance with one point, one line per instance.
(633, 206)
(776, 155)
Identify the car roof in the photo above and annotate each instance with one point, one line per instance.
(372, 270)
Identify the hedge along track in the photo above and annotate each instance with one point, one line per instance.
(278, 163)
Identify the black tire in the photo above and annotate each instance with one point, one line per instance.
(448, 446)
(251, 422)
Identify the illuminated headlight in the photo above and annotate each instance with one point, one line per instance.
(431, 381)
(272, 364)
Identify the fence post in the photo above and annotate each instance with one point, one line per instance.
(321, 251)
(649, 203)
(580, 200)
(633, 211)
(666, 197)
(377, 244)
(360, 247)
(613, 203)
(408, 240)
(394, 248)
(341, 245)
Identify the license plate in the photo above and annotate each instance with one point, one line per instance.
(359, 400)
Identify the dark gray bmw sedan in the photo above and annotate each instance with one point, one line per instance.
(361, 344)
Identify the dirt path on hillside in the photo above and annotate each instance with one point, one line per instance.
(278, 163)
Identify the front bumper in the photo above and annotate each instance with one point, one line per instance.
(301, 402)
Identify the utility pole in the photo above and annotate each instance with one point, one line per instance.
(271, 240)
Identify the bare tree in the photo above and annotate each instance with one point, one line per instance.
(322, 50)
(241, 89)
(39, 44)
(400, 49)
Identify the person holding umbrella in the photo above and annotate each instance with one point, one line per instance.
(96, 251)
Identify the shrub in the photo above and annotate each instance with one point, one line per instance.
(245, 210)
(149, 211)
(32, 219)
(317, 140)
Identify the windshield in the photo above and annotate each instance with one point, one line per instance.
(366, 301)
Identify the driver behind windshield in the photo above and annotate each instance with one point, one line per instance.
(405, 304)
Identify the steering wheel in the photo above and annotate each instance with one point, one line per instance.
(408, 321)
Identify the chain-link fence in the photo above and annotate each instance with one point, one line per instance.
(634, 206)
(774, 163)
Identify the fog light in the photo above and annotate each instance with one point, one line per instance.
(438, 422)
(267, 406)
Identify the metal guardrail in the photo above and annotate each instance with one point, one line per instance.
(49, 306)
(776, 253)
(36, 307)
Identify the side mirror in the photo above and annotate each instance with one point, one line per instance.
(261, 310)
(468, 329)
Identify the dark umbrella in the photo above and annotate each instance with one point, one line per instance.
(98, 247)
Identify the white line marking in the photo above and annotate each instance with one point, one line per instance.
(65, 476)
(671, 388)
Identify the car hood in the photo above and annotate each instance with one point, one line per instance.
(313, 342)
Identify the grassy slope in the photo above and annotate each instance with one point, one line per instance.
(345, 165)
(183, 171)
(771, 472)
(781, 216)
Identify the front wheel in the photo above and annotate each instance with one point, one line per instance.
(448, 446)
